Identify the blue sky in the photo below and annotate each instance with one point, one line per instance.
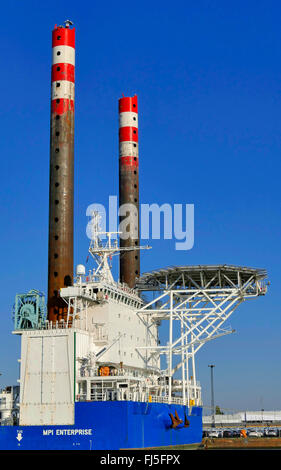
(207, 75)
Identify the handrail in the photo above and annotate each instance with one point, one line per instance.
(124, 395)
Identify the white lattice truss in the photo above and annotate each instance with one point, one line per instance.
(200, 304)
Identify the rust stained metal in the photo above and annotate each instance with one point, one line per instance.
(60, 265)
(129, 194)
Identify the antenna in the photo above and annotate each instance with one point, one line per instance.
(103, 247)
(68, 23)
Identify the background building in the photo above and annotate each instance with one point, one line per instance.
(9, 399)
(245, 417)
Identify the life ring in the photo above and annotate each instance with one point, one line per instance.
(104, 371)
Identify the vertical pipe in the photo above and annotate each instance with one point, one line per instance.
(170, 368)
(183, 364)
(212, 395)
(129, 188)
(60, 263)
(193, 370)
(187, 371)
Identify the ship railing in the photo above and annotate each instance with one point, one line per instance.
(124, 395)
(115, 374)
(99, 334)
(56, 325)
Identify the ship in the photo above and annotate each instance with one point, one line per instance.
(95, 373)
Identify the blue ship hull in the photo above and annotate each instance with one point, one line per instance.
(109, 425)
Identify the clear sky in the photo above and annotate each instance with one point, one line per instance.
(207, 74)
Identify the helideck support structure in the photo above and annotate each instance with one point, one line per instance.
(195, 301)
